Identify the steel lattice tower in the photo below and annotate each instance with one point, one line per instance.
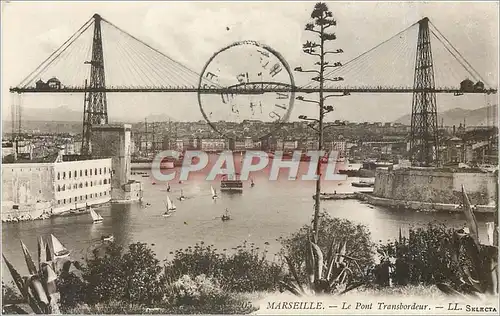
(95, 109)
(424, 129)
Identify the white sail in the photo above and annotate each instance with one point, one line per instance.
(95, 217)
(170, 204)
(214, 194)
(59, 249)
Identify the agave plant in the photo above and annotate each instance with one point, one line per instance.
(480, 275)
(39, 289)
(333, 275)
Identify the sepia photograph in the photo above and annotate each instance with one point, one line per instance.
(250, 157)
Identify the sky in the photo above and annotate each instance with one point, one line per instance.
(190, 33)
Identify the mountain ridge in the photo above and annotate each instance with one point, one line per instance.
(456, 116)
(65, 114)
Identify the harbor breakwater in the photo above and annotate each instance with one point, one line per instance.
(433, 189)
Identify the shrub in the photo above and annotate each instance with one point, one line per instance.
(72, 290)
(197, 291)
(421, 258)
(134, 277)
(203, 294)
(356, 237)
(246, 270)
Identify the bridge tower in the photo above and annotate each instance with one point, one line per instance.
(424, 140)
(95, 108)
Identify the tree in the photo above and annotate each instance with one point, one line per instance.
(322, 21)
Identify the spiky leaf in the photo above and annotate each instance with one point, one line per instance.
(18, 280)
(318, 267)
(291, 287)
(448, 290)
(469, 215)
(42, 254)
(294, 273)
(29, 261)
(38, 290)
(342, 252)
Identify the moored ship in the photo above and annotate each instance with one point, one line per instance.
(231, 184)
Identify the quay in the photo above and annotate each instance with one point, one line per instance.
(340, 195)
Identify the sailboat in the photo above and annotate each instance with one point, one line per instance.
(95, 217)
(59, 250)
(252, 184)
(182, 197)
(168, 187)
(226, 216)
(108, 238)
(170, 205)
(214, 193)
(169, 210)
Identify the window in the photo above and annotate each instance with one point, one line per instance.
(95, 171)
(74, 176)
(69, 200)
(58, 201)
(80, 173)
(86, 184)
(58, 176)
(90, 171)
(100, 182)
(69, 174)
(64, 201)
(81, 185)
(64, 175)
(86, 196)
(100, 170)
(58, 188)
(105, 193)
(91, 184)
(105, 181)
(100, 194)
(104, 170)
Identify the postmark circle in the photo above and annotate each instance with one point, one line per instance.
(244, 83)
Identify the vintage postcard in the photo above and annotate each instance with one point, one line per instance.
(258, 157)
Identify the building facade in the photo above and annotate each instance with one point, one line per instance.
(80, 183)
(32, 189)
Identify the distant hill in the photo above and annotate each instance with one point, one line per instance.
(65, 114)
(456, 116)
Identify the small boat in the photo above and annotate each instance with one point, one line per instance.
(169, 210)
(252, 184)
(95, 217)
(153, 183)
(145, 176)
(108, 238)
(168, 187)
(230, 183)
(226, 216)
(214, 193)
(182, 197)
(170, 205)
(363, 184)
(59, 250)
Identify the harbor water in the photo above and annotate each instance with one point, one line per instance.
(260, 215)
